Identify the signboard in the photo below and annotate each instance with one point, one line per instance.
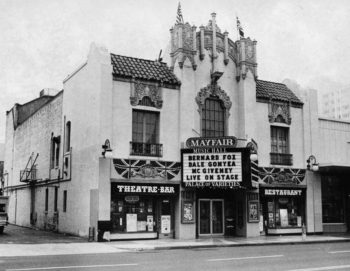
(154, 189)
(217, 167)
(282, 192)
(187, 212)
(131, 222)
(210, 142)
(253, 214)
(165, 223)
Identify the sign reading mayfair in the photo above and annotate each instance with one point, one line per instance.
(219, 169)
(203, 142)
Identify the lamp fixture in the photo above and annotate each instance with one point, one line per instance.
(312, 163)
(253, 157)
(107, 151)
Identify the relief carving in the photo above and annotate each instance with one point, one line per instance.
(280, 112)
(142, 90)
(213, 90)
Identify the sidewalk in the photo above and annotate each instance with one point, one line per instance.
(59, 244)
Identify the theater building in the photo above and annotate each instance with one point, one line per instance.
(196, 146)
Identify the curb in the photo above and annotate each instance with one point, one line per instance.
(242, 245)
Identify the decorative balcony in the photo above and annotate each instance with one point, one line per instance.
(285, 159)
(146, 149)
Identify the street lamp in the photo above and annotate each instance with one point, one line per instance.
(107, 151)
(312, 163)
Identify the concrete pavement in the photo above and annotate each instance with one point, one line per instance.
(19, 241)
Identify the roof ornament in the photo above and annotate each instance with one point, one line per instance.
(179, 18)
(240, 28)
(160, 59)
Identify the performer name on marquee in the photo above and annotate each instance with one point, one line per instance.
(214, 167)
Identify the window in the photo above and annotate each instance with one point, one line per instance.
(145, 133)
(46, 199)
(333, 199)
(55, 200)
(280, 146)
(55, 151)
(67, 139)
(213, 118)
(146, 101)
(57, 155)
(52, 153)
(65, 201)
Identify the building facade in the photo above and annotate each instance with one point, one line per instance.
(134, 148)
(336, 104)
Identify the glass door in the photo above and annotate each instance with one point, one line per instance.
(211, 217)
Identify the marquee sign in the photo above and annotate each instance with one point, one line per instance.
(221, 167)
(210, 142)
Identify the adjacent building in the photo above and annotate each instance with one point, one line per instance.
(336, 104)
(195, 147)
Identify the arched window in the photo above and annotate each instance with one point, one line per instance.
(67, 141)
(146, 101)
(213, 118)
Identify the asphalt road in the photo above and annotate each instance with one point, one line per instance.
(331, 256)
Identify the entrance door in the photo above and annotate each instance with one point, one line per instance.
(211, 217)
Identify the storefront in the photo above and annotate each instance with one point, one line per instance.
(335, 198)
(283, 209)
(142, 211)
(216, 174)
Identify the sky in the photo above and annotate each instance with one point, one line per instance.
(42, 41)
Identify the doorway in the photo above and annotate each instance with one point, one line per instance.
(211, 217)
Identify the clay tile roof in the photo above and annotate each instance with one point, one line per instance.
(143, 69)
(275, 91)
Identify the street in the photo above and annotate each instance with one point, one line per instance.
(310, 257)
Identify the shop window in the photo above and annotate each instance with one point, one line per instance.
(145, 133)
(65, 201)
(133, 214)
(333, 200)
(284, 212)
(280, 146)
(213, 118)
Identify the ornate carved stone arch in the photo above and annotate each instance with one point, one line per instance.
(141, 90)
(213, 90)
(279, 112)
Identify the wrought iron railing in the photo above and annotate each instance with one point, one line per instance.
(28, 175)
(146, 149)
(281, 159)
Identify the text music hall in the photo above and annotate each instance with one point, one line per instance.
(190, 147)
